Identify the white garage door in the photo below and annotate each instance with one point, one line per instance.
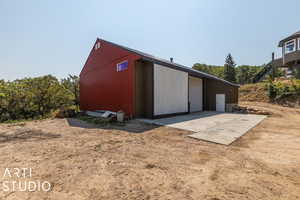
(195, 94)
(170, 90)
(220, 102)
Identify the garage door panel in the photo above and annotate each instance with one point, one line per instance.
(195, 94)
(170, 90)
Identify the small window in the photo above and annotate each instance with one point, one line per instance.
(122, 66)
(299, 43)
(97, 45)
(290, 46)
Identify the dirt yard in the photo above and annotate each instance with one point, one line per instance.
(146, 162)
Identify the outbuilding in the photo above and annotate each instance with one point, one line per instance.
(116, 78)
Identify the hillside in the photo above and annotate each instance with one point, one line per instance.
(283, 92)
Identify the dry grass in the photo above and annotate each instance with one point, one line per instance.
(258, 93)
(253, 92)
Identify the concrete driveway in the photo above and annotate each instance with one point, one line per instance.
(221, 128)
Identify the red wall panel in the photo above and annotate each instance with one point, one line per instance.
(101, 86)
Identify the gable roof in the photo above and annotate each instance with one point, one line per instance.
(151, 58)
(294, 35)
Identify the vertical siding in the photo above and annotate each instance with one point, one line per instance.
(101, 86)
(144, 89)
(213, 87)
(170, 90)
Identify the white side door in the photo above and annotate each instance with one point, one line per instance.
(220, 102)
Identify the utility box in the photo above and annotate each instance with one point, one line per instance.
(120, 116)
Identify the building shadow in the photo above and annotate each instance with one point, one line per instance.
(132, 126)
(182, 118)
(24, 134)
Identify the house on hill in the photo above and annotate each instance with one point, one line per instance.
(290, 59)
(116, 78)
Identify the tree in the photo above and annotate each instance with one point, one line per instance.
(229, 69)
(72, 84)
(245, 73)
(210, 69)
(32, 98)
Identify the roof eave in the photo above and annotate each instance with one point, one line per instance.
(189, 70)
(291, 37)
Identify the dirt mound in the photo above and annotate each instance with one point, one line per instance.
(287, 93)
(254, 92)
(249, 110)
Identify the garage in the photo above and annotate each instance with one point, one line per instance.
(117, 78)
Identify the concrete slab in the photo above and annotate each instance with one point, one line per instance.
(221, 128)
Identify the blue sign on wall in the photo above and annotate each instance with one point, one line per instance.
(122, 66)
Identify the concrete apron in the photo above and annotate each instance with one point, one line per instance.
(221, 128)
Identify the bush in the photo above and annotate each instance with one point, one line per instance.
(33, 98)
(296, 73)
(278, 90)
(271, 91)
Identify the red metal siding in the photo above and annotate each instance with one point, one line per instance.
(101, 86)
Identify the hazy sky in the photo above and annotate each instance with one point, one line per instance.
(55, 37)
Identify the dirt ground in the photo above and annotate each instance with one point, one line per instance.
(140, 161)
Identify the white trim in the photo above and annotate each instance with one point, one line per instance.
(285, 45)
(298, 43)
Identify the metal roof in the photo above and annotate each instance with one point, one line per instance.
(151, 58)
(294, 35)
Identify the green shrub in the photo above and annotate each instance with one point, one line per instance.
(33, 98)
(296, 73)
(280, 89)
(271, 91)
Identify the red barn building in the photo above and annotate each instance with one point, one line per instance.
(116, 78)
